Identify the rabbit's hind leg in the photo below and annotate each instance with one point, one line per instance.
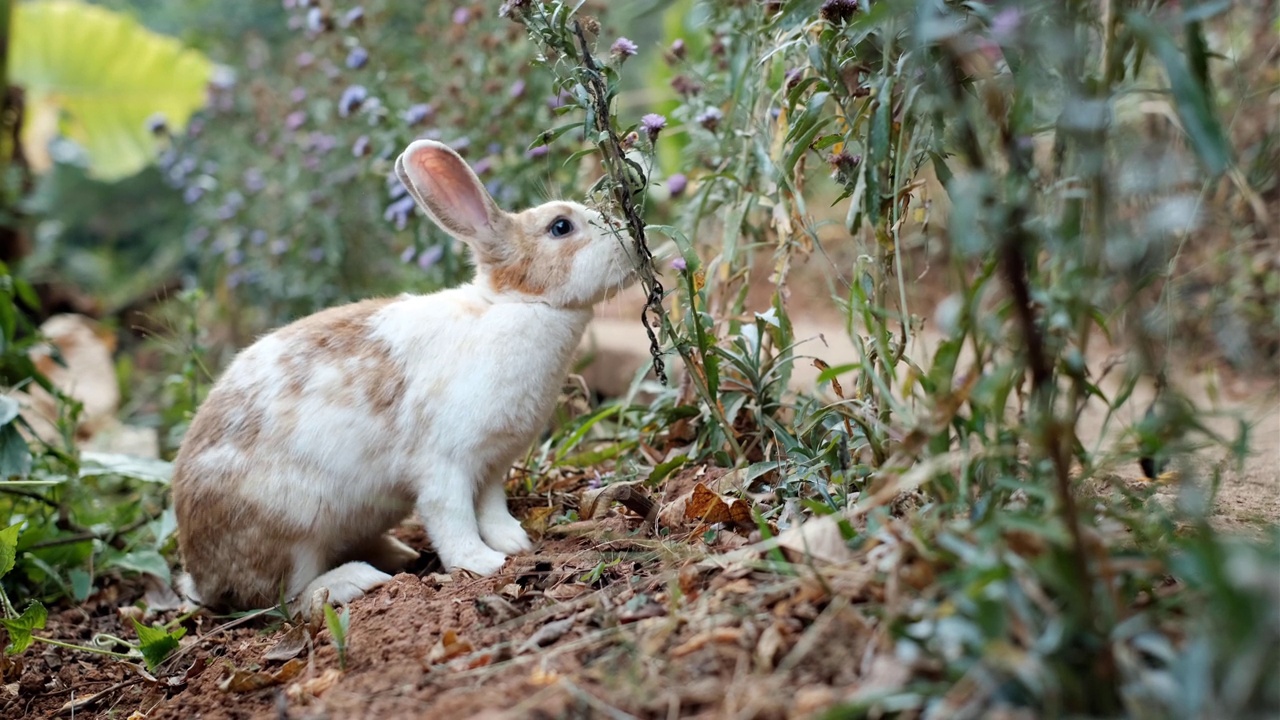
(385, 553)
(343, 583)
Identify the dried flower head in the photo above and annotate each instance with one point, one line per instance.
(710, 118)
(838, 11)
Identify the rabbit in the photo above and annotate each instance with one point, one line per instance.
(323, 435)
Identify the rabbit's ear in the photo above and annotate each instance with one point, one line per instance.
(447, 189)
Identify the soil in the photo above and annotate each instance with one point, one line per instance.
(602, 621)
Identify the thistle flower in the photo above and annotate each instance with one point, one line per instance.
(352, 98)
(537, 151)
(354, 16)
(517, 89)
(357, 58)
(679, 264)
(652, 124)
(461, 16)
(623, 48)
(418, 113)
(709, 118)
(676, 185)
(838, 11)
(360, 147)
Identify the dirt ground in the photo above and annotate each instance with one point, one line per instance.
(601, 621)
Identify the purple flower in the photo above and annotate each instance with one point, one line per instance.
(354, 16)
(677, 183)
(537, 151)
(652, 125)
(483, 166)
(304, 59)
(461, 16)
(318, 20)
(352, 98)
(430, 256)
(192, 194)
(1005, 24)
(679, 264)
(461, 145)
(254, 182)
(398, 212)
(418, 113)
(316, 254)
(357, 58)
(156, 124)
(360, 147)
(278, 247)
(677, 49)
(257, 238)
(407, 256)
(295, 119)
(235, 257)
(395, 188)
(297, 95)
(517, 89)
(623, 48)
(709, 118)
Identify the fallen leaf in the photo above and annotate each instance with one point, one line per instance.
(717, 636)
(547, 634)
(289, 644)
(769, 646)
(818, 539)
(447, 648)
(709, 507)
(313, 687)
(249, 680)
(566, 591)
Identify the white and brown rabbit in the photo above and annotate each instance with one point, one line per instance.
(322, 436)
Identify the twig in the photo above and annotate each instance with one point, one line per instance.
(626, 188)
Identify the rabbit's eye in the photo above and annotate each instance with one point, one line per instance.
(560, 227)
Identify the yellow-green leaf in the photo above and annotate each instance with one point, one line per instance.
(96, 77)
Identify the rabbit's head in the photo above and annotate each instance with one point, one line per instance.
(560, 253)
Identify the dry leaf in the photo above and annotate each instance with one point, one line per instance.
(819, 539)
(702, 639)
(708, 507)
(447, 648)
(567, 591)
(769, 646)
(247, 681)
(596, 503)
(313, 687)
(289, 644)
(547, 634)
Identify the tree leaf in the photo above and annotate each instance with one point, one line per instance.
(15, 454)
(20, 628)
(8, 548)
(9, 409)
(1190, 98)
(156, 644)
(97, 77)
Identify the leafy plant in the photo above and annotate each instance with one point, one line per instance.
(100, 79)
(338, 624)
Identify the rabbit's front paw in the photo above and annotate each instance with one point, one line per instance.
(480, 562)
(505, 535)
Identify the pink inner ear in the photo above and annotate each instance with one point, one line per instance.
(451, 188)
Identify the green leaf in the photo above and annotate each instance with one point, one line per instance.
(156, 644)
(15, 454)
(20, 628)
(142, 561)
(96, 77)
(8, 548)
(9, 409)
(1190, 98)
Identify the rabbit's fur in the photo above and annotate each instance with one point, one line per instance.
(322, 436)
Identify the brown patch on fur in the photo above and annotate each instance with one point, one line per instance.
(237, 556)
(343, 333)
(518, 277)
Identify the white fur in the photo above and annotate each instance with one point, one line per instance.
(483, 366)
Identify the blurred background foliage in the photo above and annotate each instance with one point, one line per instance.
(1027, 179)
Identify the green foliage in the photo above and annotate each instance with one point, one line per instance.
(99, 78)
(157, 644)
(19, 628)
(338, 625)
